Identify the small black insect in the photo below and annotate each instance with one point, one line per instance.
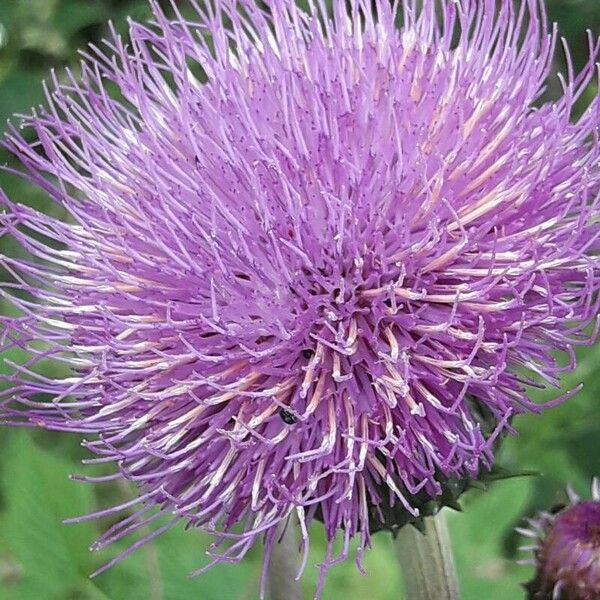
(287, 417)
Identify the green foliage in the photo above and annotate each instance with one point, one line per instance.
(38, 496)
(478, 535)
(42, 559)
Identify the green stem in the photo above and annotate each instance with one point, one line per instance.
(282, 584)
(426, 561)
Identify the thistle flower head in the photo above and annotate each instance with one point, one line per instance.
(567, 553)
(310, 262)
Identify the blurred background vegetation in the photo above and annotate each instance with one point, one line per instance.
(41, 559)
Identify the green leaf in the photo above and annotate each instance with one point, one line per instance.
(180, 552)
(70, 16)
(21, 90)
(478, 540)
(38, 496)
(383, 580)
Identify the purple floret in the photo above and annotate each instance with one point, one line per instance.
(566, 551)
(308, 266)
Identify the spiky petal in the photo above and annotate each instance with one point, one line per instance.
(309, 263)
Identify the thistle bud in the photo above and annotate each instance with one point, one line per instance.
(567, 555)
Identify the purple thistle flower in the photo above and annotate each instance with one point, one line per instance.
(567, 550)
(310, 265)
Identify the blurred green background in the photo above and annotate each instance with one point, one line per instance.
(41, 559)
